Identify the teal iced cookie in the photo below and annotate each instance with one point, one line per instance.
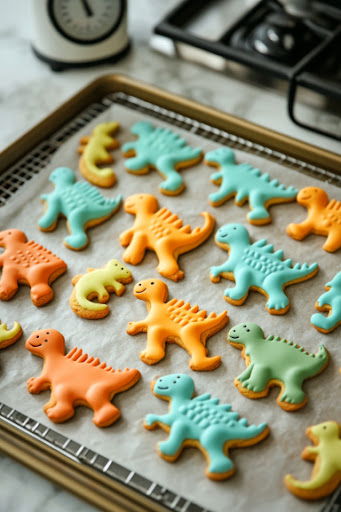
(330, 301)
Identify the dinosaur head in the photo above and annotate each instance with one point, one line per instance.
(63, 176)
(106, 128)
(45, 341)
(11, 235)
(177, 385)
(151, 290)
(141, 203)
(326, 430)
(310, 195)
(119, 270)
(232, 233)
(244, 334)
(142, 128)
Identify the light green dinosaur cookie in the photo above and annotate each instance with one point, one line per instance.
(98, 283)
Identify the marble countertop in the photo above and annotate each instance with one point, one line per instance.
(29, 90)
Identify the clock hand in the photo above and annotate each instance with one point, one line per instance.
(87, 8)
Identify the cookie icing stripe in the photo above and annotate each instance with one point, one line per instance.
(326, 454)
(274, 361)
(163, 150)
(161, 231)
(246, 183)
(94, 150)
(98, 283)
(28, 262)
(9, 336)
(329, 301)
(201, 422)
(76, 377)
(175, 321)
(324, 218)
(256, 266)
(81, 204)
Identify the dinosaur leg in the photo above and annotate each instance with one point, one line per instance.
(333, 242)
(78, 238)
(277, 301)
(258, 380)
(98, 398)
(8, 283)
(50, 217)
(326, 323)
(220, 465)
(258, 210)
(223, 194)
(239, 293)
(137, 165)
(168, 265)
(41, 291)
(134, 253)
(173, 183)
(155, 349)
(172, 446)
(293, 392)
(299, 231)
(60, 408)
(190, 340)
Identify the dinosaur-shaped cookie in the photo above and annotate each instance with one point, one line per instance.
(255, 266)
(98, 283)
(326, 453)
(203, 423)
(9, 336)
(177, 322)
(27, 262)
(76, 379)
(161, 149)
(95, 153)
(324, 218)
(246, 183)
(161, 231)
(329, 301)
(274, 361)
(81, 204)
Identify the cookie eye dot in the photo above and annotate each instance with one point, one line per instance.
(122, 268)
(37, 336)
(247, 330)
(324, 427)
(46, 341)
(174, 381)
(178, 376)
(47, 332)
(244, 326)
(152, 282)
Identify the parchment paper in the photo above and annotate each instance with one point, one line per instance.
(258, 484)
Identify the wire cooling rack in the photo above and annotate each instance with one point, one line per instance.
(23, 171)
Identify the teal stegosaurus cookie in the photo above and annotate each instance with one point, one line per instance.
(81, 204)
(161, 149)
(329, 301)
(256, 266)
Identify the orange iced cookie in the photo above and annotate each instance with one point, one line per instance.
(76, 379)
(27, 262)
(9, 336)
(324, 218)
(175, 321)
(161, 231)
(95, 154)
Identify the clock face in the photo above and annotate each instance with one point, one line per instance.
(86, 21)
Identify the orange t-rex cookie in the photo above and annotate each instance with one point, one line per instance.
(324, 218)
(9, 336)
(76, 379)
(28, 263)
(95, 154)
(162, 232)
(175, 321)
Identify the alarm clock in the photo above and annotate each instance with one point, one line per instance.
(77, 33)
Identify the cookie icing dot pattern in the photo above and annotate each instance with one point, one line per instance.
(175, 321)
(324, 218)
(161, 149)
(326, 454)
(201, 422)
(330, 302)
(81, 204)
(256, 266)
(274, 361)
(76, 379)
(246, 183)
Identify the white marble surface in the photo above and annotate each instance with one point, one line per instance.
(29, 91)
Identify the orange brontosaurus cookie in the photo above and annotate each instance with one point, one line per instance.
(324, 218)
(76, 379)
(175, 321)
(162, 232)
(29, 263)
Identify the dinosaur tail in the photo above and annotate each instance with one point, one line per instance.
(200, 234)
(87, 304)
(90, 167)
(283, 191)
(321, 484)
(216, 322)
(124, 379)
(300, 271)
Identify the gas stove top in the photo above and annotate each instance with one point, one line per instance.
(296, 41)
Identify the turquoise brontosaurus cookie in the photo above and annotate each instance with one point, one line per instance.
(329, 301)
(246, 183)
(81, 204)
(274, 361)
(201, 422)
(161, 149)
(256, 266)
